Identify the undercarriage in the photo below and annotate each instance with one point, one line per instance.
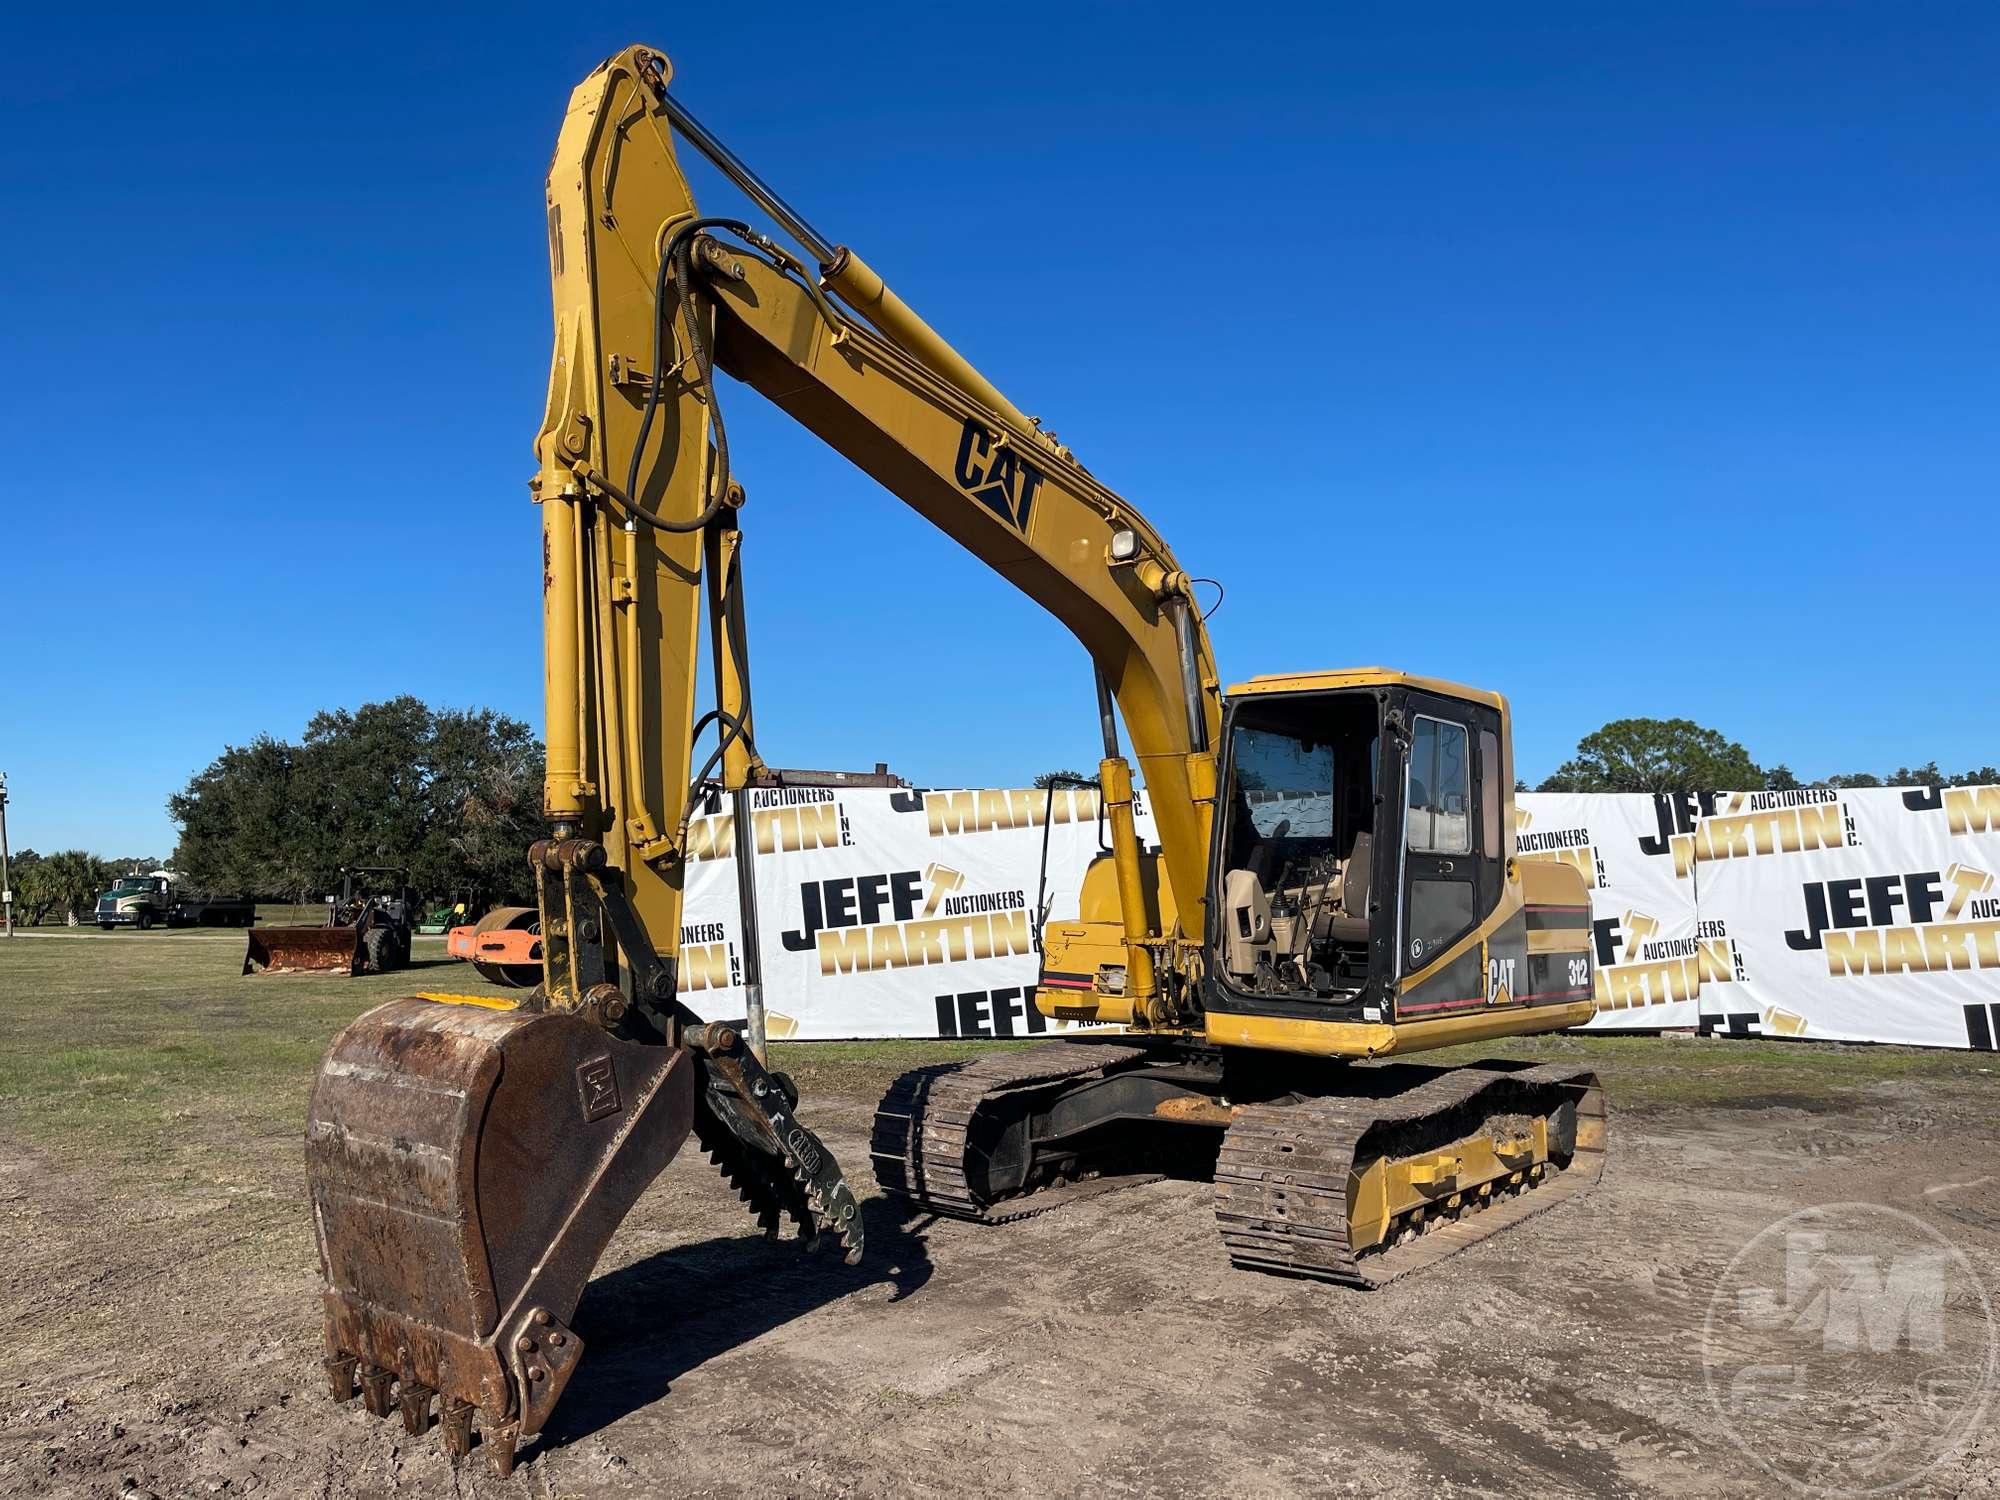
(1389, 1170)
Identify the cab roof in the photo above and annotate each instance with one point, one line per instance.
(1362, 677)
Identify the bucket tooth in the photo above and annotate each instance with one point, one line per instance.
(415, 1401)
(500, 1442)
(340, 1376)
(455, 1426)
(376, 1386)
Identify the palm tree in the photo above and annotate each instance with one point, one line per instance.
(69, 880)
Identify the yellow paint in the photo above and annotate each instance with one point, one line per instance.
(894, 398)
(1352, 1039)
(484, 1002)
(1395, 1190)
(1363, 677)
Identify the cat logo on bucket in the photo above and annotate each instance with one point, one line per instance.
(597, 1088)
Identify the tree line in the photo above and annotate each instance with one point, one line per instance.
(452, 795)
(1679, 755)
(455, 797)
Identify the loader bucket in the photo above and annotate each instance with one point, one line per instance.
(303, 950)
(467, 1165)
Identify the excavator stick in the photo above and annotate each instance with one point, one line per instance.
(303, 950)
(467, 1166)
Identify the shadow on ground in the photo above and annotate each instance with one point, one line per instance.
(646, 1324)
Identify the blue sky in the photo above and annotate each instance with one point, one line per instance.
(1631, 359)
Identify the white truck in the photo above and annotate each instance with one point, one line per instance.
(146, 901)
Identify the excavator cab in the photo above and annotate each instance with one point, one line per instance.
(1364, 863)
(1296, 851)
(1361, 878)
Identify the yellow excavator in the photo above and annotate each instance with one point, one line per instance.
(1335, 882)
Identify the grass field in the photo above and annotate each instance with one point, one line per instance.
(153, 1058)
(162, 1290)
(151, 1053)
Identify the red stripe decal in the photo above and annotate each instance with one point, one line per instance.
(1518, 1000)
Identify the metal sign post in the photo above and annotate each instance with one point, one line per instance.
(746, 908)
(6, 883)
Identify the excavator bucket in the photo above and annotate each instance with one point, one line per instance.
(303, 950)
(468, 1164)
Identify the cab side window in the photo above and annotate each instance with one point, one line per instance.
(1440, 811)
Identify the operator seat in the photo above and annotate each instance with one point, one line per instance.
(1350, 923)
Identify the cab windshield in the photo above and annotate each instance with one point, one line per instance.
(1302, 784)
(133, 883)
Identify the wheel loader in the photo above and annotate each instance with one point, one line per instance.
(1335, 888)
(367, 930)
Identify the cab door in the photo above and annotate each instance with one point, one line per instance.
(1440, 885)
(1452, 858)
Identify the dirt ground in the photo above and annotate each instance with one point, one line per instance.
(163, 1340)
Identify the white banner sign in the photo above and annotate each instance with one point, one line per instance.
(1862, 916)
(1649, 958)
(1869, 915)
(891, 913)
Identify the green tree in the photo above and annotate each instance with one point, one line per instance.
(1926, 774)
(20, 869)
(68, 881)
(246, 825)
(452, 795)
(1063, 778)
(484, 789)
(1655, 755)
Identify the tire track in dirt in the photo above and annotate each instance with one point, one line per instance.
(1106, 1349)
